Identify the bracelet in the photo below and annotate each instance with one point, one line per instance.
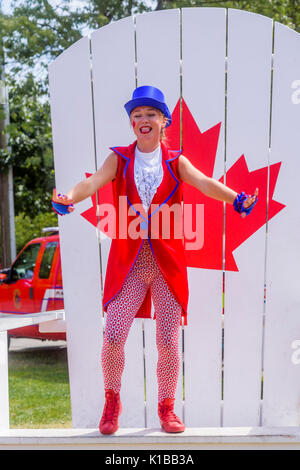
(61, 209)
(238, 204)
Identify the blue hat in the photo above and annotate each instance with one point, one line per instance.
(149, 96)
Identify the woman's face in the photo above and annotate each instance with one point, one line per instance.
(147, 123)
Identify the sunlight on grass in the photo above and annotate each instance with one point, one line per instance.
(39, 390)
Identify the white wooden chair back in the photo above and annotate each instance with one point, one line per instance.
(243, 92)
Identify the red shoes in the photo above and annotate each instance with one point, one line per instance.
(112, 409)
(109, 423)
(168, 419)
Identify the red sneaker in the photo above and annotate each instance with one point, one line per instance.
(168, 419)
(112, 409)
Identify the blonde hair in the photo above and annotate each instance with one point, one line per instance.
(163, 129)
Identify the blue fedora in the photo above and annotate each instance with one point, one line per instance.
(149, 96)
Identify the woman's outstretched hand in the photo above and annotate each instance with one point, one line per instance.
(64, 201)
(249, 201)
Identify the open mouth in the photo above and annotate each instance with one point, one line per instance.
(145, 129)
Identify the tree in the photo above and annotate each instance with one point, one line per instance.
(36, 32)
(30, 141)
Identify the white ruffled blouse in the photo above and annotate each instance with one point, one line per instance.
(148, 174)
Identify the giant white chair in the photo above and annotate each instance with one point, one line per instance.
(232, 79)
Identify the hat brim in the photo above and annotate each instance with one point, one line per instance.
(145, 101)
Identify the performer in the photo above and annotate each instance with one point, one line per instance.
(150, 176)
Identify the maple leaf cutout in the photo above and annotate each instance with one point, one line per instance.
(200, 149)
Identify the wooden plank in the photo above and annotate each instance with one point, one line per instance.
(74, 155)
(247, 438)
(133, 386)
(247, 134)
(10, 321)
(203, 87)
(4, 396)
(113, 65)
(152, 420)
(151, 356)
(157, 68)
(281, 364)
(113, 68)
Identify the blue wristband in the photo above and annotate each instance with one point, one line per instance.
(61, 209)
(239, 204)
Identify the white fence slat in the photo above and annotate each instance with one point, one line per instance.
(152, 420)
(113, 66)
(203, 350)
(132, 391)
(158, 68)
(9, 321)
(158, 64)
(248, 114)
(150, 374)
(74, 154)
(113, 62)
(203, 87)
(4, 396)
(89, 84)
(281, 364)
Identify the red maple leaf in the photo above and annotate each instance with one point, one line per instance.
(200, 149)
(105, 195)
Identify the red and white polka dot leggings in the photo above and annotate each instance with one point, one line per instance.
(120, 315)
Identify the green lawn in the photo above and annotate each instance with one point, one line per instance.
(39, 391)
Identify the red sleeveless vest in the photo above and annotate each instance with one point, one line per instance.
(161, 226)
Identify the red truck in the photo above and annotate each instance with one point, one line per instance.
(33, 283)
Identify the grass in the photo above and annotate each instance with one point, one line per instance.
(39, 390)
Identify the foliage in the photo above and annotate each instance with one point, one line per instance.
(30, 143)
(28, 228)
(37, 32)
(284, 11)
(100, 12)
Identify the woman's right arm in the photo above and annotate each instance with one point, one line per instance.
(86, 188)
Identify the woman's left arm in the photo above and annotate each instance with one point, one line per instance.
(209, 186)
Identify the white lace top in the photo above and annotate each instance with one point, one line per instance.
(148, 174)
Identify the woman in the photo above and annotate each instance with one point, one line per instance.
(149, 176)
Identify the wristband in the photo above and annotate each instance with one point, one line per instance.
(61, 209)
(238, 204)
